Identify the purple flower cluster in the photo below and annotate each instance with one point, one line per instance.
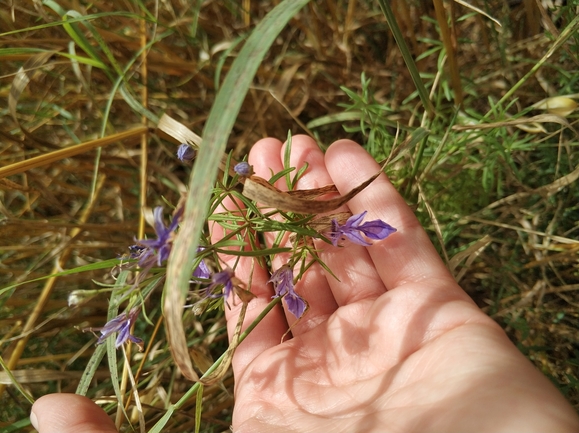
(121, 324)
(283, 282)
(353, 229)
(223, 278)
(151, 251)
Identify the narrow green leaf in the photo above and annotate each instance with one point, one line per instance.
(90, 369)
(215, 135)
(93, 266)
(258, 253)
(18, 426)
(410, 64)
(199, 408)
(73, 20)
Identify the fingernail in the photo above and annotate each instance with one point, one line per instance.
(33, 420)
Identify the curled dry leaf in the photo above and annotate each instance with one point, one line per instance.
(559, 105)
(310, 194)
(323, 223)
(260, 190)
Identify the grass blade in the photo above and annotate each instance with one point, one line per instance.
(410, 64)
(219, 125)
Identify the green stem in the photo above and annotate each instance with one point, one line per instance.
(17, 384)
(157, 428)
(410, 64)
(419, 155)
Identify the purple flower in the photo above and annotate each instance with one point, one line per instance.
(121, 324)
(158, 250)
(223, 278)
(353, 230)
(243, 169)
(185, 152)
(202, 270)
(136, 251)
(283, 283)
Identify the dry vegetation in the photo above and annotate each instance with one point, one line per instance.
(500, 203)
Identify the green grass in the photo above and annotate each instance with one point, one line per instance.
(499, 197)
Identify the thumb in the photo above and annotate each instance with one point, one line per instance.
(68, 413)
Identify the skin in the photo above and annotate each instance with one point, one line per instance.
(394, 346)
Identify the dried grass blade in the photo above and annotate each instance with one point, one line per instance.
(177, 132)
(541, 118)
(479, 11)
(470, 254)
(217, 374)
(447, 41)
(48, 288)
(57, 155)
(41, 375)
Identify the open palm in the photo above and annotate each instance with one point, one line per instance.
(392, 345)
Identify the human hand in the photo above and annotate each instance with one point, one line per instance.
(394, 345)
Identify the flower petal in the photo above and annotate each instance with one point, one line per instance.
(202, 270)
(295, 304)
(377, 229)
(221, 278)
(185, 152)
(283, 280)
(355, 220)
(175, 220)
(160, 228)
(355, 236)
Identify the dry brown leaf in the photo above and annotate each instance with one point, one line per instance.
(259, 190)
(548, 190)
